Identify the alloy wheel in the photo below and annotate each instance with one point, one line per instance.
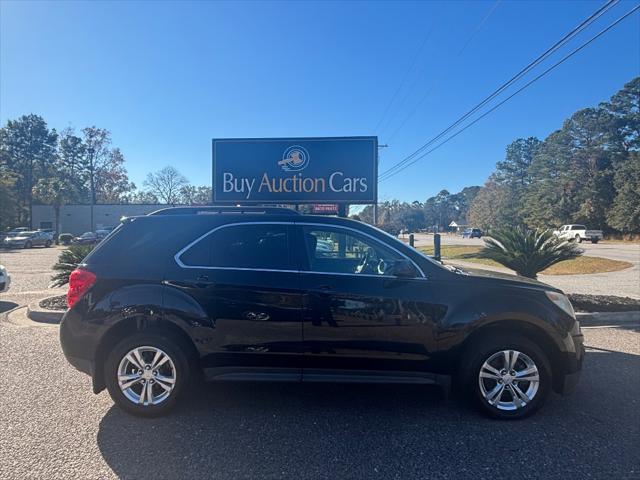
(146, 376)
(509, 380)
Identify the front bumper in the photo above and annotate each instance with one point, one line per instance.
(5, 282)
(15, 244)
(566, 384)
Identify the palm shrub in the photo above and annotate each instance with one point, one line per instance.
(68, 261)
(528, 252)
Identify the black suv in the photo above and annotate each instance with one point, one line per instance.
(267, 294)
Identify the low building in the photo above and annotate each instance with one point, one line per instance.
(77, 219)
(456, 227)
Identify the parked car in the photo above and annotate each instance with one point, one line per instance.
(253, 296)
(5, 279)
(102, 233)
(87, 238)
(12, 232)
(26, 239)
(578, 233)
(472, 233)
(48, 232)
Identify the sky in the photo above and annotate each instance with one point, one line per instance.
(167, 77)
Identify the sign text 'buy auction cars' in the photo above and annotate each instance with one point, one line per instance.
(295, 170)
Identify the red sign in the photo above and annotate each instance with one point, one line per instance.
(325, 208)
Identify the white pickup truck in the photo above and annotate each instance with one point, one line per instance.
(579, 233)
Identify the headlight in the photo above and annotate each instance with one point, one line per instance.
(561, 301)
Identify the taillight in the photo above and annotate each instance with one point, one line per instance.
(80, 281)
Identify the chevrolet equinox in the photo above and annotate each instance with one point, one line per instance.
(268, 294)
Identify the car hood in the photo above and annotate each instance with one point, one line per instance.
(506, 278)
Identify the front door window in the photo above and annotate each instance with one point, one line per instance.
(334, 250)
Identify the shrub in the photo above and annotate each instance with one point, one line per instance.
(68, 261)
(65, 238)
(528, 252)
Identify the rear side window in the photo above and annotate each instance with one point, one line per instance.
(260, 246)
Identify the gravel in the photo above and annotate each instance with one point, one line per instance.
(603, 303)
(30, 272)
(54, 427)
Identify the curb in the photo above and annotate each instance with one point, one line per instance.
(42, 315)
(18, 317)
(608, 318)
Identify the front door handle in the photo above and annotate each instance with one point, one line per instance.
(202, 281)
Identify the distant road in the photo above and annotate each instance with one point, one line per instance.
(628, 252)
(624, 283)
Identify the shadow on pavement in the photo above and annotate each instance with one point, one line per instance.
(397, 431)
(6, 306)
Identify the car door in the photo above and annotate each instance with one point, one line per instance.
(357, 317)
(37, 239)
(244, 280)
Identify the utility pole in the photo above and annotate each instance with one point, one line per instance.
(375, 204)
(92, 200)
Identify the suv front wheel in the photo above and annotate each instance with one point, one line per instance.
(508, 377)
(146, 373)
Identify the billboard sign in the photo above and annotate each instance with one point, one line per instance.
(295, 170)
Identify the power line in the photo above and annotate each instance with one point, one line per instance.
(567, 37)
(405, 77)
(444, 72)
(495, 107)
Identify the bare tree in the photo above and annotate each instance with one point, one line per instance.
(166, 184)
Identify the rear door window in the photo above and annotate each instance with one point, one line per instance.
(255, 246)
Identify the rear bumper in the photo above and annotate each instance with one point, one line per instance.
(81, 364)
(78, 342)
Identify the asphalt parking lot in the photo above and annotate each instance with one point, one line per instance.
(52, 426)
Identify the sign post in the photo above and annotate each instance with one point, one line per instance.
(335, 170)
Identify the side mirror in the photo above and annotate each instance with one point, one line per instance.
(402, 269)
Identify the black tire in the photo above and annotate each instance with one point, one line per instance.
(47, 244)
(473, 360)
(578, 239)
(594, 240)
(170, 348)
(27, 245)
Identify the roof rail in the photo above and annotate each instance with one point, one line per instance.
(210, 210)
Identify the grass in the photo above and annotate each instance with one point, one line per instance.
(577, 266)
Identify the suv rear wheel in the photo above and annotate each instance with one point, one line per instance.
(508, 376)
(146, 373)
